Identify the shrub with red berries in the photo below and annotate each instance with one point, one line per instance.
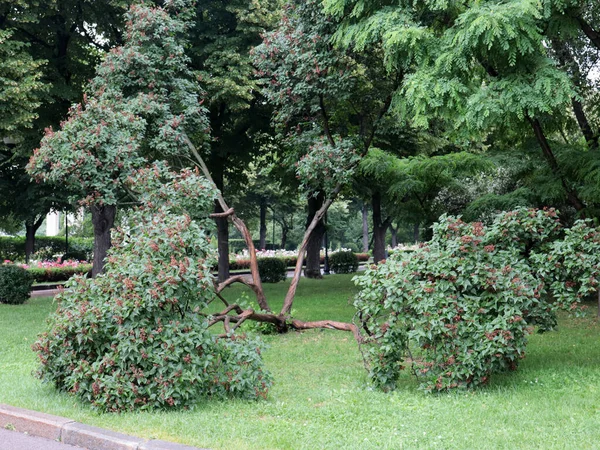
(459, 309)
(136, 337)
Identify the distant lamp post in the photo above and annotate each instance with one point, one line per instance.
(326, 267)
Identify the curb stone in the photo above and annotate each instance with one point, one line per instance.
(74, 433)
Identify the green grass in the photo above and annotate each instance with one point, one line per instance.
(322, 398)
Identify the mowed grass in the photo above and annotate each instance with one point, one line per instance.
(322, 398)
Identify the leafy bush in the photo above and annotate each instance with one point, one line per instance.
(571, 266)
(459, 309)
(272, 270)
(136, 337)
(15, 284)
(75, 255)
(343, 262)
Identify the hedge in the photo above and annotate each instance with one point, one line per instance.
(53, 274)
(13, 247)
(290, 261)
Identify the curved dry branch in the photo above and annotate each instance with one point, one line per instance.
(282, 323)
(327, 324)
(221, 215)
(240, 225)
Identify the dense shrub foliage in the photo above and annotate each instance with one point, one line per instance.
(272, 270)
(571, 266)
(15, 284)
(136, 337)
(459, 309)
(343, 262)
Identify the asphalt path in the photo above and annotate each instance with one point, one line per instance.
(13, 440)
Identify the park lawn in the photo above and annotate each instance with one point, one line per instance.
(322, 398)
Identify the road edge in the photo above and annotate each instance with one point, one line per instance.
(70, 432)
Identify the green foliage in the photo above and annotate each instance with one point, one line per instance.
(75, 256)
(327, 99)
(136, 337)
(272, 270)
(459, 309)
(137, 108)
(343, 262)
(20, 86)
(571, 266)
(46, 247)
(58, 274)
(546, 404)
(15, 284)
(325, 166)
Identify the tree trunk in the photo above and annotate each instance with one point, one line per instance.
(572, 196)
(103, 219)
(284, 233)
(571, 66)
(365, 228)
(222, 225)
(584, 125)
(222, 244)
(593, 35)
(394, 236)
(263, 224)
(379, 229)
(416, 232)
(31, 228)
(313, 247)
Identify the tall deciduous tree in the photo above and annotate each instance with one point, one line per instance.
(486, 66)
(57, 44)
(329, 105)
(221, 40)
(139, 107)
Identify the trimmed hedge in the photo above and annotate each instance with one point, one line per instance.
(290, 261)
(15, 284)
(52, 274)
(272, 270)
(13, 247)
(343, 262)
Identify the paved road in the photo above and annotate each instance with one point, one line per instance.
(12, 440)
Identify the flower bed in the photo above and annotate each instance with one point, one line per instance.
(241, 261)
(54, 271)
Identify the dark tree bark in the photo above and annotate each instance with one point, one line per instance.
(103, 219)
(222, 225)
(284, 234)
(365, 228)
(416, 232)
(568, 62)
(584, 125)
(31, 228)
(222, 244)
(379, 228)
(313, 247)
(593, 35)
(263, 224)
(572, 195)
(394, 236)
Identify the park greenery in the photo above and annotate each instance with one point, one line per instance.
(465, 127)
(322, 397)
